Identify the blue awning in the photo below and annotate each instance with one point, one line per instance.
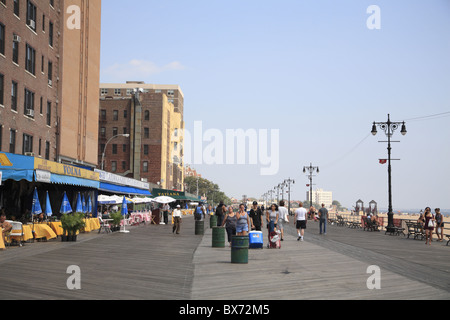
(17, 175)
(108, 187)
(74, 181)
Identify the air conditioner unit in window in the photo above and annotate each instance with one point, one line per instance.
(29, 154)
(16, 38)
(32, 24)
(50, 82)
(29, 113)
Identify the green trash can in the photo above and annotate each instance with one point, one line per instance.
(199, 228)
(213, 221)
(218, 237)
(239, 249)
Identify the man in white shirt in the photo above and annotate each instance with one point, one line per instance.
(177, 219)
(300, 221)
(282, 217)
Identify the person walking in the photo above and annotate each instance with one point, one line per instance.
(243, 221)
(199, 212)
(230, 223)
(272, 217)
(300, 221)
(220, 213)
(323, 218)
(283, 215)
(439, 225)
(256, 217)
(177, 219)
(428, 226)
(166, 213)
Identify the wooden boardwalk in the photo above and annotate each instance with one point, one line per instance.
(151, 263)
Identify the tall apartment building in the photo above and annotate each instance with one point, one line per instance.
(49, 75)
(152, 116)
(320, 196)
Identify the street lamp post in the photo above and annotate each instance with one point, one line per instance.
(389, 128)
(311, 171)
(288, 183)
(104, 150)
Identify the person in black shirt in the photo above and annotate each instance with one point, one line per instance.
(256, 217)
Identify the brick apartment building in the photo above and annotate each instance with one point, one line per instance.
(152, 116)
(49, 75)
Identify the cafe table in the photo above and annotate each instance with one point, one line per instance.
(2, 241)
(42, 230)
(56, 227)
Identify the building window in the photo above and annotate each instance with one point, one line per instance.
(30, 60)
(147, 115)
(117, 92)
(125, 114)
(12, 141)
(103, 115)
(50, 73)
(146, 149)
(124, 165)
(113, 166)
(31, 15)
(16, 7)
(146, 133)
(104, 91)
(171, 93)
(115, 131)
(14, 96)
(115, 115)
(124, 148)
(125, 130)
(47, 150)
(49, 113)
(2, 39)
(15, 53)
(114, 149)
(50, 34)
(29, 103)
(103, 132)
(2, 89)
(27, 146)
(145, 166)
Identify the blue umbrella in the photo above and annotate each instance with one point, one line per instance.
(65, 206)
(79, 206)
(83, 201)
(89, 205)
(36, 208)
(124, 206)
(48, 207)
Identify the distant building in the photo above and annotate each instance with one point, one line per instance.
(152, 116)
(320, 197)
(189, 172)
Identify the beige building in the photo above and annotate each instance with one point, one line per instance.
(80, 80)
(320, 197)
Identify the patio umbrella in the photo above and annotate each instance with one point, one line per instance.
(102, 199)
(79, 206)
(36, 208)
(89, 205)
(164, 200)
(124, 213)
(83, 203)
(48, 207)
(65, 206)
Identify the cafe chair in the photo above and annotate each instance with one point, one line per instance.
(104, 226)
(16, 231)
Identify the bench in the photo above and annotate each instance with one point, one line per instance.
(341, 221)
(354, 224)
(369, 225)
(395, 231)
(415, 229)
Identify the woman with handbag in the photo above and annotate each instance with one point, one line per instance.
(439, 225)
(428, 226)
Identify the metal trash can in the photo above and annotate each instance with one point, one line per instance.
(213, 221)
(239, 249)
(199, 227)
(218, 237)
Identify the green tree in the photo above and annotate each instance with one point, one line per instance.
(206, 188)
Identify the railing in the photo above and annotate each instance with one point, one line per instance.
(383, 222)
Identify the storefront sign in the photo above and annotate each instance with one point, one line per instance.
(66, 170)
(167, 193)
(121, 180)
(43, 176)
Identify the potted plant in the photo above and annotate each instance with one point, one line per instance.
(67, 222)
(77, 226)
(117, 218)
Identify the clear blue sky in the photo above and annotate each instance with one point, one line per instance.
(311, 69)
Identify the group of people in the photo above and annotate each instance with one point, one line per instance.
(430, 223)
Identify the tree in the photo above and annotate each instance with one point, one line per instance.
(206, 188)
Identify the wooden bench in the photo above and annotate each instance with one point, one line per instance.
(395, 231)
(341, 221)
(415, 229)
(370, 225)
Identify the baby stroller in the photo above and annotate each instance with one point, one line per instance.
(274, 237)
